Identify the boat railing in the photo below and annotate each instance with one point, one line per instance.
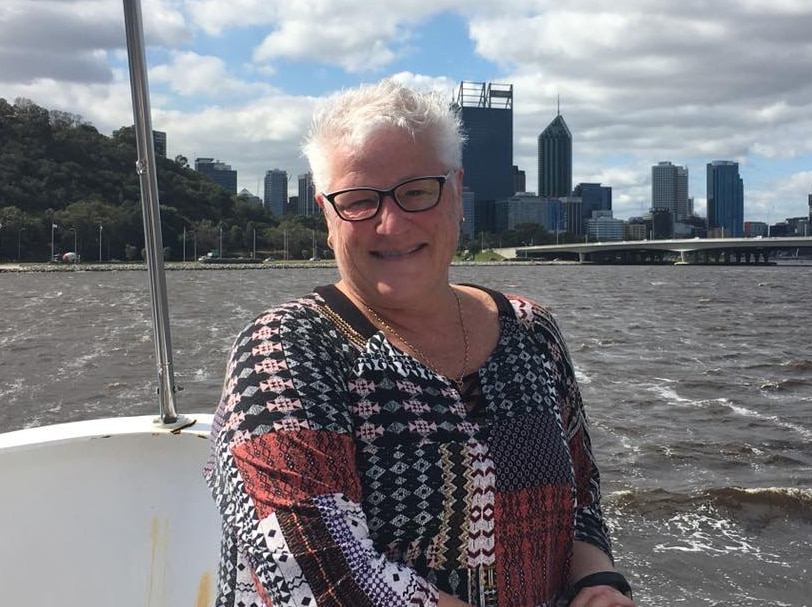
(146, 169)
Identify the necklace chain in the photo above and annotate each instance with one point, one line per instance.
(426, 360)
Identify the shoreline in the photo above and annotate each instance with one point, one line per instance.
(169, 266)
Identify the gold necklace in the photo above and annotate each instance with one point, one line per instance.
(457, 382)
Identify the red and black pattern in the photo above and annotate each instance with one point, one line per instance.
(348, 473)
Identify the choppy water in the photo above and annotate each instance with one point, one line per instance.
(697, 380)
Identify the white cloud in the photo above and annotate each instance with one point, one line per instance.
(639, 81)
(189, 74)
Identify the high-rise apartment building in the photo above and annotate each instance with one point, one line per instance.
(555, 159)
(725, 199)
(669, 190)
(276, 191)
(222, 173)
(307, 195)
(486, 111)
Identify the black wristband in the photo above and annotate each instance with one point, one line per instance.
(601, 578)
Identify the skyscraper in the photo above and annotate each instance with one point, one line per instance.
(276, 191)
(725, 198)
(669, 189)
(555, 159)
(307, 195)
(486, 111)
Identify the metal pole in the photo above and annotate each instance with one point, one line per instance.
(145, 167)
(19, 234)
(184, 244)
(100, 242)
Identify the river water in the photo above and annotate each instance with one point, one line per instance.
(697, 381)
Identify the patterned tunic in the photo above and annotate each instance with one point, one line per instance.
(349, 474)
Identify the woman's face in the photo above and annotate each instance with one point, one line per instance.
(395, 258)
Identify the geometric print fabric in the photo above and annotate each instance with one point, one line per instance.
(347, 472)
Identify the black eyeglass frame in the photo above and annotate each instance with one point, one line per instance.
(441, 179)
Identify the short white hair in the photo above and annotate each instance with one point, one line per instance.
(350, 117)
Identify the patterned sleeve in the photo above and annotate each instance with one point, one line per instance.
(590, 525)
(282, 471)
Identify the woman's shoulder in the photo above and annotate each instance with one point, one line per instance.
(317, 318)
(299, 316)
(300, 307)
(526, 309)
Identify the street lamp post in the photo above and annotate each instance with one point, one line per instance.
(75, 252)
(19, 234)
(221, 243)
(100, 242)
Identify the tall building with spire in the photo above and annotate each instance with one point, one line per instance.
(555, 159)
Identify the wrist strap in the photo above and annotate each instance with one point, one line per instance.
(601, 578)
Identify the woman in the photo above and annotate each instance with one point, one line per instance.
(394, 439)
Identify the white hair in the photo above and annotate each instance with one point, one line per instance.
(350, 117)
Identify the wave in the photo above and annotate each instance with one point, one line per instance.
(800, 365)
(783, 385)
(757, 506)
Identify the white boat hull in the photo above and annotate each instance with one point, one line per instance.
(107, 512)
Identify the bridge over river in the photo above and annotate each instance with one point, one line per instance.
(757, 250)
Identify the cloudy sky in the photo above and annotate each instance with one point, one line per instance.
(639, 81)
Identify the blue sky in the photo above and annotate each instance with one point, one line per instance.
(640, 81)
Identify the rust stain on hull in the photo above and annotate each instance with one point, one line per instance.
(203, 595)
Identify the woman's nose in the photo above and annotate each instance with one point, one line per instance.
(390, 213)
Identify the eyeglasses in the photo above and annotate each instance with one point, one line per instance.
(412, 196)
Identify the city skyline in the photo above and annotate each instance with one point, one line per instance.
(636, 86)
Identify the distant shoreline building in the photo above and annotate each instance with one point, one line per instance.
(725, 199)
(486, 111)
(306, 202)
(221, 173)
(159, 143)
(276, 191)
(669, 190)
(594, 198)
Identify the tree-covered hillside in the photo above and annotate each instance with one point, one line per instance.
(58, 170)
